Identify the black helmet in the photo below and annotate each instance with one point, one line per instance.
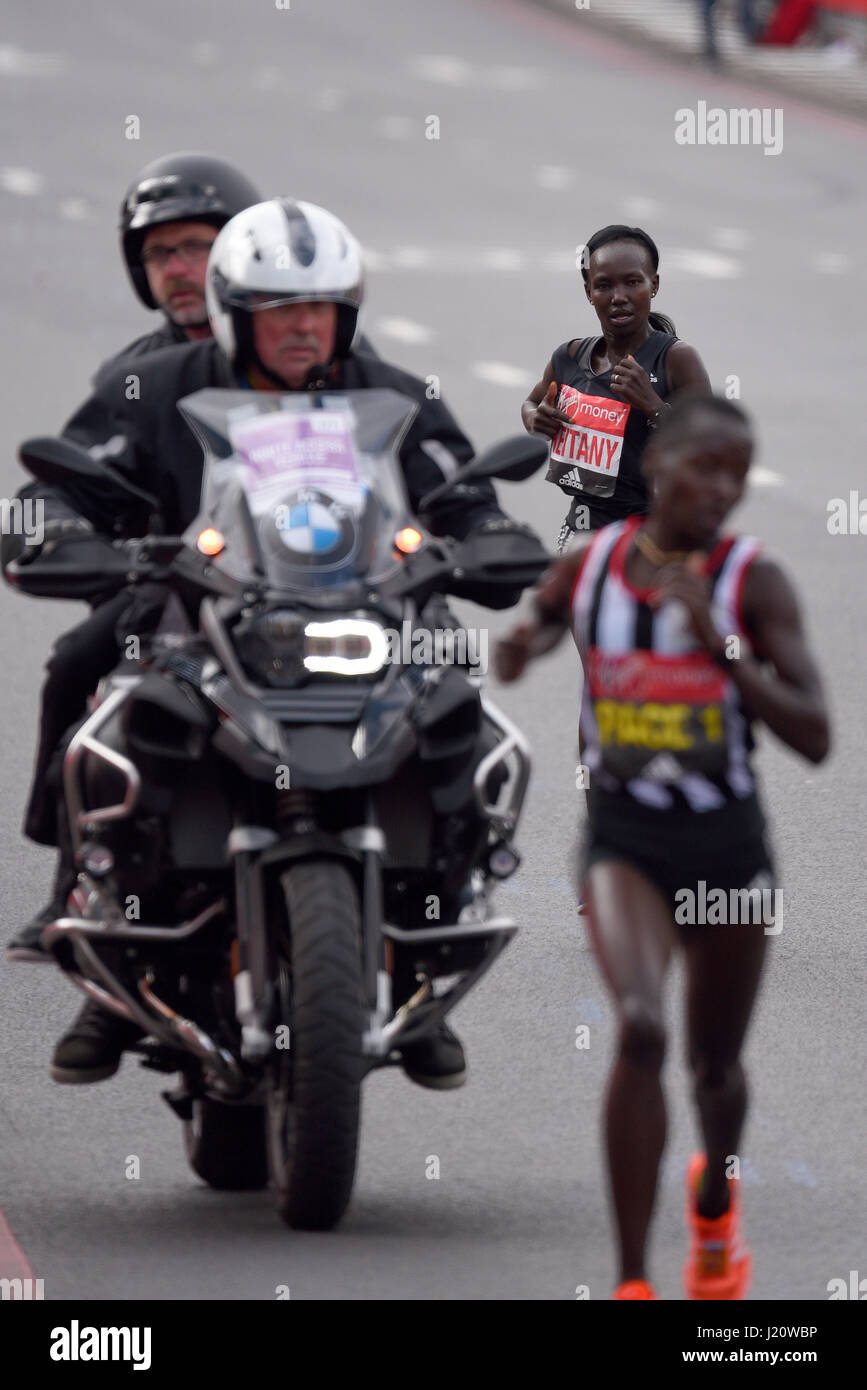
(184, 187)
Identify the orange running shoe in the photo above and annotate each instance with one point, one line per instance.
(719, 1264)
(635, 1288)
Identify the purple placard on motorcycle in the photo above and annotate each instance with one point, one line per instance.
(292, 449)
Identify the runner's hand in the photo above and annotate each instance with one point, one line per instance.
(512, 653)
(546, 418)
(631, 383)
(687, 584)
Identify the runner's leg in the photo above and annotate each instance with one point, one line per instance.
(723, 969)
(633, 935)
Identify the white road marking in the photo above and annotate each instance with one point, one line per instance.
(560, 262)
(459, 259)
(831, 262)
(266, 79)
(554, 177)
(329, 99)
(452, 71)
(639, 207)
(399, 127)
(502, 374)
(411, 258)
(14, 62)
(403, 330)
(433, 67)
(375, 260)
(729, 238)
(708, 264)
(502, 258)
(23, 181)
(74, 209)
(205, 54)
(511, 79)
(765, 477)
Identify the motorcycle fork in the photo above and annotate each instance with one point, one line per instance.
(252, 978)
(249, 846)
(369, 840)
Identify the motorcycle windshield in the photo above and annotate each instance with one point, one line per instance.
(306, 490)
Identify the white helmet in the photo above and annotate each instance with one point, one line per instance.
(274, 252)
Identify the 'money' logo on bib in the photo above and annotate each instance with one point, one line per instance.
(594, 441)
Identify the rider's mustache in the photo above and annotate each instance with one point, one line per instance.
(295, 340)
(182, 287)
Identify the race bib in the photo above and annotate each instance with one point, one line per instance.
(586, 454)
(658, 716)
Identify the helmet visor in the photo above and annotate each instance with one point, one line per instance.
(253, 300)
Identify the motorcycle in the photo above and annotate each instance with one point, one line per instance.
(287, 826)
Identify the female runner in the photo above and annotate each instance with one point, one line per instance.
(686, 637)
(600, 398)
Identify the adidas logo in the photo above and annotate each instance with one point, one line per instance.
(663, 768)
(572, 479)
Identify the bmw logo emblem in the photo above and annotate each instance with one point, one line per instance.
(315, 529)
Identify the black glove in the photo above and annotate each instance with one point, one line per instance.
(73, 561)
(499, 561)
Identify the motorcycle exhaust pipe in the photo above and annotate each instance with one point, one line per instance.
(194, 1038)
(391, 1030)
(165, 1025)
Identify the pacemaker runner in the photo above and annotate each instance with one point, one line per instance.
(686, 637)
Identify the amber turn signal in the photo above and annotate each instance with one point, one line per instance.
(408, 540)
(210, 542)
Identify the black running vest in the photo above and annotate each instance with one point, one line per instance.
(598, 459)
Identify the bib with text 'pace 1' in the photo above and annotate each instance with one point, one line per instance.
(588, 450)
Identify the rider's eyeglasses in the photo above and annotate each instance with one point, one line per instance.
(190, 252)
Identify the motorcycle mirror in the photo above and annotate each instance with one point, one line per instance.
(54, 460)
(513, 460)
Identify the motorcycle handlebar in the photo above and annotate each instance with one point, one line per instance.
(477, 567)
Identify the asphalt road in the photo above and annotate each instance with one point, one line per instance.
(546, 131)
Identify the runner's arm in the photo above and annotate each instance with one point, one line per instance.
(685, 369)
(552, 601)
(790, 699)
(539, 414)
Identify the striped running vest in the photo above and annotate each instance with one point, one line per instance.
(660, 721)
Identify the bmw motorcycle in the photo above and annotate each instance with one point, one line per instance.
(288, 820)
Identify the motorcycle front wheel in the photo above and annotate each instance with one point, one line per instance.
(313, 1085)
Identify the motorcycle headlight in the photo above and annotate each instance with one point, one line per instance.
(282, 646)
(345, 647)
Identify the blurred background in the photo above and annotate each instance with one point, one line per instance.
(553, 120)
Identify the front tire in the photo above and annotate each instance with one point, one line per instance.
(314, 1087)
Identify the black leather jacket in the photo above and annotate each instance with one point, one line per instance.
(170, 335)
(131, 420)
